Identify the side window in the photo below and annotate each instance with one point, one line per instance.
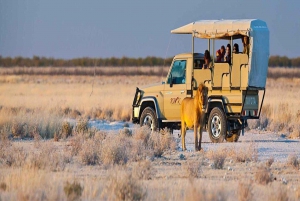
(178, 72)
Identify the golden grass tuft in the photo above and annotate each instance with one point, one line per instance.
(263, 175)
(160, 143)
(293, 161)
(269, 162)
(218, 157)
(244, 154)
(73, 191)
(204, 193)
(245, 191)
(143, 170)
(194, 168)
(121, 185)
(279, 193)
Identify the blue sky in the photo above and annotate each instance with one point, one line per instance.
(134, 28)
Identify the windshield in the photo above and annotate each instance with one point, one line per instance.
(178, 72)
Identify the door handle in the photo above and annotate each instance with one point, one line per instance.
(181, 92)
(169, 92)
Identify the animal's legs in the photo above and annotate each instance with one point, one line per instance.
(196, 136)
(200, 137)
(183, 133)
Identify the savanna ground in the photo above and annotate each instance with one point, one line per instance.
(45, 157)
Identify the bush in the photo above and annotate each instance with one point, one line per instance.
(10, 155)
(73, 190)
(245, 191)
(160, 143)
(245, 154)
(143, 170)
(81, 126)
(47, 157)
(123, 186)
(218, 158)
(293, 161)
(115, 150)
(263, 175)
(194, 169)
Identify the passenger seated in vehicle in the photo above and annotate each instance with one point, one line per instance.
(236, 48)
(197, 64)
(220, 54)
(227, 57)
(245, 41)
(207, 60)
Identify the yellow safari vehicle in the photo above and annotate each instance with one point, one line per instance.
(233, 85)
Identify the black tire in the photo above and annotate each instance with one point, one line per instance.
(148, 118)
(233, 136)
(217, 128)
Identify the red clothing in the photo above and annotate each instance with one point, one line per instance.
(220, 56)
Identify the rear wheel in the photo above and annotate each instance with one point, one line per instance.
(148, 118)
(217, 125)
(233, 136)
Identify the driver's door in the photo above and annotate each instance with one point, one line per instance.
(175, 90)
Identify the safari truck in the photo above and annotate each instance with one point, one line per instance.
(236, 90)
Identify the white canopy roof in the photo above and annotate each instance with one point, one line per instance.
(220, 28)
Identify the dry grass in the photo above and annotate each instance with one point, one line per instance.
(205, 193)
(37, 106)
(218, 157)
(245, 191)
(73, 191)
(269, 162)
(244, 154)
(82, 96)
(194, 168)
(86, 71)
(121, 185)
(293, 161)
(263, 175)
(143, 170)
(279, 193)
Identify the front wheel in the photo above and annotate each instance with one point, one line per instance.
(148, 118)
(217, 125)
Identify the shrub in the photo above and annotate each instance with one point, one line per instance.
(66, 130)
(263, 175)
(293, 161)
(245, 191)
(143, 170)
(193, 194)
(89, 153)
(279, 194)
(143, 134)
(123, 186)
(218, 158)
(194, 169)
(47, 157)
(245, 154)
(160, 143)
(269, 162)
(115, 150)
(10, 155)
(17, 129)
(76, 144)
(4, 132)
(73, 190)
(3, 186)
(81, 126)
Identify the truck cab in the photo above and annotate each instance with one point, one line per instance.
(233, 87)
